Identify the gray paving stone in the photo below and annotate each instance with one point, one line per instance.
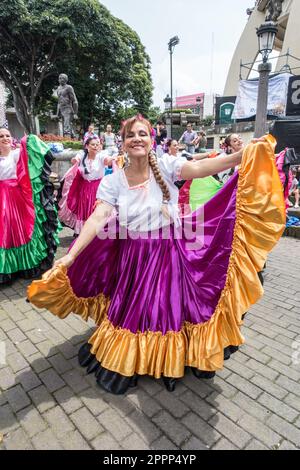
(35, 336)
(86, 424)
(7, 325)
(17, 362)
(231, 431)
(31, 421)
(46, 440)
(26, 325)
(16, 335)
(39, 363)
(110, 420)
(67, 400)
(143, 426)
(176, 407)
(286, 445)
(227, 407)
(75, 380)
(17, 440)
(74, 441)
(17, 398)
(41, 398)
(258, 430)
(134, 442)
(289, 385)
(28, 379)
(287, 430)
(163, 443)
(194, 444)
(8, 420)
(199, 428)
(105, 442)
(245, 386)
(256, 445)
(224, 444)
(58, 421)
(60, 364)
(278, 407)
(199, 405)
(289, 371)
(172, 428)
(278, 356)
(94, 402)
(7, 378)
(268, 386)
(265, 371)
(293, 401)
(52, 380)
(144, 402)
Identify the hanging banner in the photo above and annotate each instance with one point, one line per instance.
(246, 101)
(293, 101)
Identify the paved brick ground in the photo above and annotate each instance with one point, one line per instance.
(47, 402)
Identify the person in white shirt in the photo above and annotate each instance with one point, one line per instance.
(80, 185)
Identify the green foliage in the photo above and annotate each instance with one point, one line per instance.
(104, 59)
(207, 121)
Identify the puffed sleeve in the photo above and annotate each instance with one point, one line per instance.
(108, 190)
(103, 155)
(79, 156)
(171, 167)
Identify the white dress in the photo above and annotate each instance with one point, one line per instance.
(8, 165)
(139, 207)
(96, 167)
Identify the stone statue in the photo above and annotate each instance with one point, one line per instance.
(274, 10)
(67, 107)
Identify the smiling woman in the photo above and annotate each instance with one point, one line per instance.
(166, 292)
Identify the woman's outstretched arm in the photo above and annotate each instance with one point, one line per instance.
(210, 166)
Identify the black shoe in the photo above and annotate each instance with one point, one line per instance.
(170, 383)
(203, 374)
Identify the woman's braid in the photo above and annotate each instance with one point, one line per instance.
(158, 177)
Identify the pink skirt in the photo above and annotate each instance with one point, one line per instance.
(17, 215)
(78, 199)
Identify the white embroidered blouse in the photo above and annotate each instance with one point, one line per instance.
(8, 165)
(140, 207)
(96, 167)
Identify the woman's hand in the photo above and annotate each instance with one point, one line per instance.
(74, 161)
(66, 261)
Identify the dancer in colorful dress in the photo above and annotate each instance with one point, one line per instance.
(194, 194)
(29, 223)
(166, 296)
(81, 183)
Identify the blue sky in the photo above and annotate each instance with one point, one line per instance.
(209, 31)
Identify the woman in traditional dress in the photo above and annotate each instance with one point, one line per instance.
(166, 296)
(81, 183)
(29, 223)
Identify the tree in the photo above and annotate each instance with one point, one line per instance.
(104, 58)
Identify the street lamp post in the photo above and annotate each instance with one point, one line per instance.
(167, 102)
(198, 101)
(172, 43)
(266, 36)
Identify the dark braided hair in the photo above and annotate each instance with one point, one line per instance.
(86, 152)
(126, 126)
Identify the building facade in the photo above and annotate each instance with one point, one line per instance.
(287, 39)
